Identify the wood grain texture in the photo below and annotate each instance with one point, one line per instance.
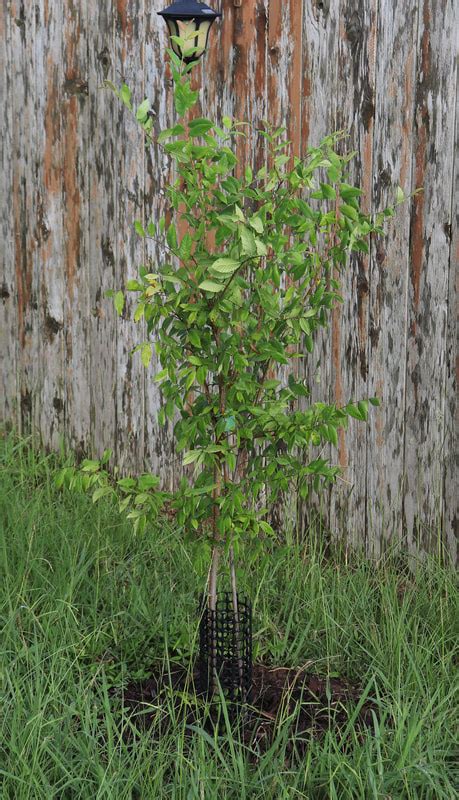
(103, 145)
(318, 118)
(130, 250)
(389, 267)
(76, 225)
(428, 286)
(75, 176)
(450, 498)
(349, 359)
(159, 440)
(8, 285)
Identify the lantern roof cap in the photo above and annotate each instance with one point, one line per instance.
(189, 9)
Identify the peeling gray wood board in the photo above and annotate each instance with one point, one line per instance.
(79, 177)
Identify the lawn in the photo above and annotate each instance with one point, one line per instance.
(85, 606)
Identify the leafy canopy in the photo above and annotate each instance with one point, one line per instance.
(249, 274)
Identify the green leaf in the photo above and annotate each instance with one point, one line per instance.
(134, 286)
(139, 312)
(230, 424)
(226, 266)
(257, 224)
(266, 528)
(347, 191)
(125, 95)
(328, 191)
(139, 228)
(332, 435)
(184, 98)
(227, 123)
(363, 408)
(185, 247)
(201, 375)
(200, 126)
(191, 457)
(171, 237)
(349, 211)
(211, 286)
(248, 245)
(262, 250)
(142, 111)
(119, 303)
(102, 491)
(90, 465)
(375, 401)
(126, 484)
(106, 456)
(194, 338)
(148, 481)
(146, 354)
(353, 411)
(399, 195)
(177, 130)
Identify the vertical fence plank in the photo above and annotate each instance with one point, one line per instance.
(130, 251)
(218, 66)
(250, 22)
(318, 118)
(284, 84)
(22, 30)
(8, 288)
(102, 225)
(428, 289)
(75, 201)
(50, 259)
(355, 113)
(397, 40)
(159, 442)
(451, 416)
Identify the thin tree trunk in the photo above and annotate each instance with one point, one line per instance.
(214, 578)
(237, 626)
(213, 586)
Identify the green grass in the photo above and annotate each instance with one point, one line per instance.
(83, 605)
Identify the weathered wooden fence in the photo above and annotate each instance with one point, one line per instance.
(75, 175)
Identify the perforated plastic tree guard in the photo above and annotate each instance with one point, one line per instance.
(225, 651)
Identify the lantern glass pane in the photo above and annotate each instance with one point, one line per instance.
(173, 31)
(194, 33)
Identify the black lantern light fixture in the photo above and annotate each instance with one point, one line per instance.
(191, 21)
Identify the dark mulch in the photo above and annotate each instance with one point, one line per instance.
(313, 704)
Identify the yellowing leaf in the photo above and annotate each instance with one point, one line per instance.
(257, 224)
(226, 266)
(211, 286)
(145, 354)
(249, 247)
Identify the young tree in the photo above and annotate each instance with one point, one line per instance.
(242, 292)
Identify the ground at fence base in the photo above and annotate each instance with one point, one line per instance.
(308, 704)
